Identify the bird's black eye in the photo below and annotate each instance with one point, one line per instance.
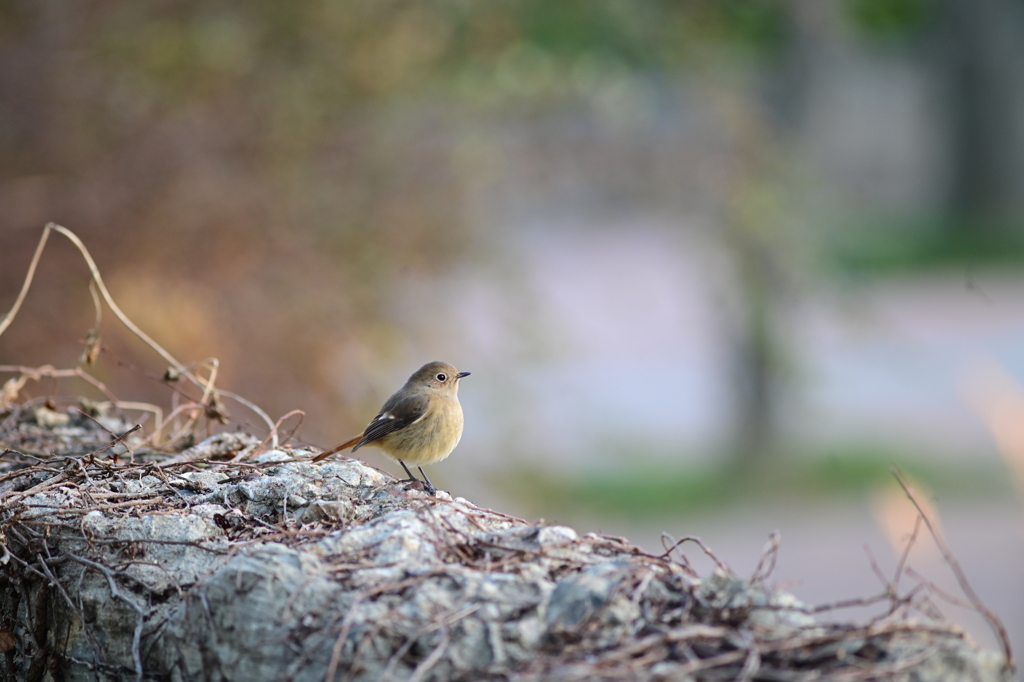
(441, 377)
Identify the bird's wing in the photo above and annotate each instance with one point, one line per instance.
(397, 413)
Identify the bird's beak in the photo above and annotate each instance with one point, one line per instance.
(461, 374)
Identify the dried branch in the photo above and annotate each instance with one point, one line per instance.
(993, 620)
(700, 543)
(769, 555)
(26, 284)
(115, 592)
(249, 454)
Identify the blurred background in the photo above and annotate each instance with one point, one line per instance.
(715, 265)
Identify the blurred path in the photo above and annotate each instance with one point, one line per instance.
(822, 558)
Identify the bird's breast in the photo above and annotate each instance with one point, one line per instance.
(429, 439)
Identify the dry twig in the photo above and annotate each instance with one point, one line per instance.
(993, 620)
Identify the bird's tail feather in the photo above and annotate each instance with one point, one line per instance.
(337, 448)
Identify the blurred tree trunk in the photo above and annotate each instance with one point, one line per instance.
(756, 365)
(755, 234)
(982, 64)
(759, 241)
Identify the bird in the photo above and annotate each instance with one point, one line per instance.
(420, 424)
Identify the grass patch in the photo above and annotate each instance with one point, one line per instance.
(640, 493)
(853, 471)
(893, 244)
(651, 491)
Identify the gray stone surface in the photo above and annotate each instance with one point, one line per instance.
(278, 569)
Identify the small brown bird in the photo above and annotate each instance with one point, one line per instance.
(420, 424)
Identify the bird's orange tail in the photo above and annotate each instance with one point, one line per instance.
(337, 448)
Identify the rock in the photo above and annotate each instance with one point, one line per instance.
(281, 569)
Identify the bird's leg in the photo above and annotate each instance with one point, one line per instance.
(430, 486)
(427, 485)
(411, 477)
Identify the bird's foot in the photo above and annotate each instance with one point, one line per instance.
(427, 487)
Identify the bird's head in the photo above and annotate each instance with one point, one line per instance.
(437, 376)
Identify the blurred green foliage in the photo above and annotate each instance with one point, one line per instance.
(649, 35)
(893, 18)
